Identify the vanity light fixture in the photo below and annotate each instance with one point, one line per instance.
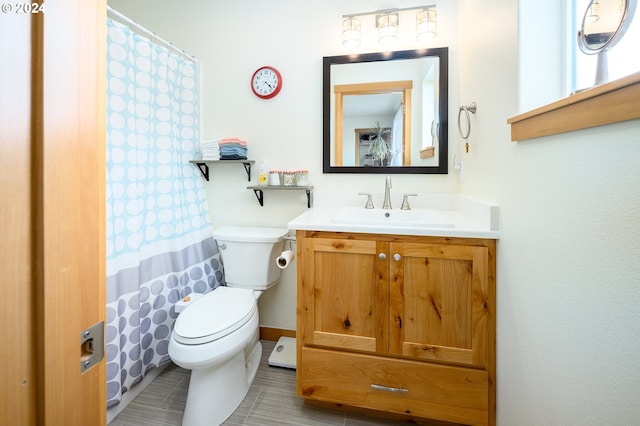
(351, 32)
(387, 24)
(427, 24)
(387, 21)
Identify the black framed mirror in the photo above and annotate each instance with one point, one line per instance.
(386, 112)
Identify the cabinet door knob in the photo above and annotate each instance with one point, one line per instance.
(382, 256)
(397, 257)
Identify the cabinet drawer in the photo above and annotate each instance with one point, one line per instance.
(421, 389)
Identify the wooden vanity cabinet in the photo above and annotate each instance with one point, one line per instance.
(397, 324)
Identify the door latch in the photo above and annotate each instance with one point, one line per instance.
(91, 346)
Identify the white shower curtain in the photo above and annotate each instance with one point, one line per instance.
(159, 235)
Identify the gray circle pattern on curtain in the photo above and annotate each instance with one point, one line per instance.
(139, 324)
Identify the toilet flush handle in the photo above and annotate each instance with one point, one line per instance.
(223, 246)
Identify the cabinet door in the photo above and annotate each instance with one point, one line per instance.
(344, 300)
(439, 302)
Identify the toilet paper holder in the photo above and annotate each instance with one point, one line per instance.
(291, 239)
(285, 259)
(287, 256)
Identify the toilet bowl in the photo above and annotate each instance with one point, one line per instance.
(217, 336)
(223, 357)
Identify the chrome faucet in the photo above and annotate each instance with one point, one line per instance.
(387, 195)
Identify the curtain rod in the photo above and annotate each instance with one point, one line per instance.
(117, 16)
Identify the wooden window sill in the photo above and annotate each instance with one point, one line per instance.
(608, 103)
(427, 152)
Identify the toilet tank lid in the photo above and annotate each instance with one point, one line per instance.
(250, 234)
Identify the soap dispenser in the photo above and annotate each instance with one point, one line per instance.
(263, 174)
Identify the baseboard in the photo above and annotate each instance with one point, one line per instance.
(273, 334)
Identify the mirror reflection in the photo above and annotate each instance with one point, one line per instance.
(603, 25)
(386, 112)
(375, 116)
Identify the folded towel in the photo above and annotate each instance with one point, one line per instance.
(224, 149)
(237, 141)
(209, 144)
(233, 157)
(210, 150)
(211, 158)
(233, 148)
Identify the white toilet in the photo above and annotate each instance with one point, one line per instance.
(217, 336)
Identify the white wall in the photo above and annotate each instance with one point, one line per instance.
(233, 38)
(568, 270)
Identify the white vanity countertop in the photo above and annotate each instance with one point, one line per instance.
(466, 217)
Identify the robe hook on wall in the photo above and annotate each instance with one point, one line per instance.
(467, 109)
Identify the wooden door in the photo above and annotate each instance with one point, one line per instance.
(52, 164)
(17, 374)
(440, 302)
(344, 300)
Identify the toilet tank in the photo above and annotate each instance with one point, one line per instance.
(249, 255)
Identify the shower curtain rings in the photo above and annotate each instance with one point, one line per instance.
(467, 109)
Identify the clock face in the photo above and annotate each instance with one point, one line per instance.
(266, 82)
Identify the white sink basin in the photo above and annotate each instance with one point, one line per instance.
(417, 218)
(435, 215)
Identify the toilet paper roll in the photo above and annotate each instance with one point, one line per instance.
(285, 258)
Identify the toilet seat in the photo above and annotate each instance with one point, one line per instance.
(215, 315)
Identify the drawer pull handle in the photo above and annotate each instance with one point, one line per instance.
(388, 389)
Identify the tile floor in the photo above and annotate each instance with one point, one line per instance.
(271, 400)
